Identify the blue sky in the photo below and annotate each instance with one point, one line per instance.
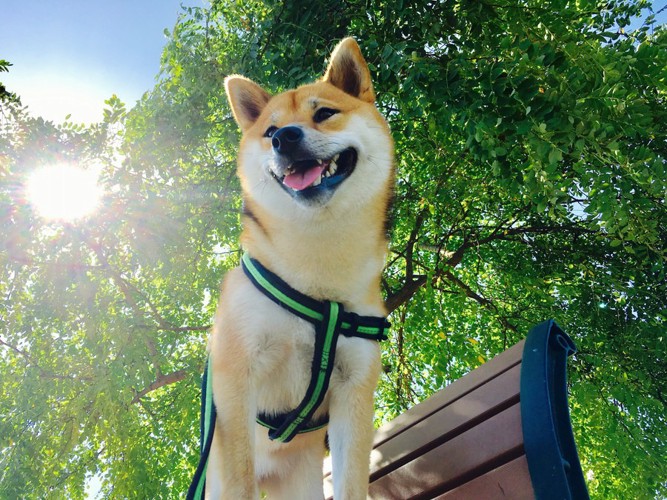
(69, 56)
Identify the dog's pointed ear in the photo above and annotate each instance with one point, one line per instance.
(349, 72)
(246, 98)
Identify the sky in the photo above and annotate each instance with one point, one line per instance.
(69, 56)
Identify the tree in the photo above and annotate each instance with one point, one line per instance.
(531, 156)
(4, 94)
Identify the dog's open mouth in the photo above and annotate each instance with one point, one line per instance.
(308, 177)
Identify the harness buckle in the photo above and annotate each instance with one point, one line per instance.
(353, 319)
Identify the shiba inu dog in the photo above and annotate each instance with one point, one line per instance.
(317, 169)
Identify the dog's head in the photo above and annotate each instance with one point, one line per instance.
(320, 145)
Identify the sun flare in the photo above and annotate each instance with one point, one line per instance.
(63, 192)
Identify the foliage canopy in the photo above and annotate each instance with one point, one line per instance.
(532, 147)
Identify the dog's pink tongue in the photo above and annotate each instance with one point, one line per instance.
(302, 180)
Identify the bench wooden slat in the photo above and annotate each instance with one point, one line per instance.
(511, 480)
(456, 461)
(455, 390)
(457, 416)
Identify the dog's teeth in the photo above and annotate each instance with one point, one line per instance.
(319, 161)
(317, 181)
(335, 158)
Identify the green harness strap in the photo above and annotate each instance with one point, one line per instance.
(330, 319)
(206, 424)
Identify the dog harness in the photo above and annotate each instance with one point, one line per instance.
(330, 319)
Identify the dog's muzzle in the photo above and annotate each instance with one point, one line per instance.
(303, 172)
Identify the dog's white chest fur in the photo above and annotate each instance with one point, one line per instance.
(281, 346)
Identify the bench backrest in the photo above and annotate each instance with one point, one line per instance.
(501, 431)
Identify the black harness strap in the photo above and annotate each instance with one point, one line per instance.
(312, 310)
(330, 319)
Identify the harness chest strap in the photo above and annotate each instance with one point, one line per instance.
(312, 310)
(330, 319)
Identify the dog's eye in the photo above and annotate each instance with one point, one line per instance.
(270, 131)
(324, 114)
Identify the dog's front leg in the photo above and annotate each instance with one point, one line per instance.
(231, 469)
(351, 422)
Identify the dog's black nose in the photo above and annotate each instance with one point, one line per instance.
(285, 140)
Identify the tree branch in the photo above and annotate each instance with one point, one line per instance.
(503, 231)
(128, 289)
(488, 304)
(18, 351)
(46, 374)
(405, 293)
(161, 381)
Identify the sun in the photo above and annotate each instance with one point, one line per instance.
(64, 192)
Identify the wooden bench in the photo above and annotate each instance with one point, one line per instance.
(501, 431)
